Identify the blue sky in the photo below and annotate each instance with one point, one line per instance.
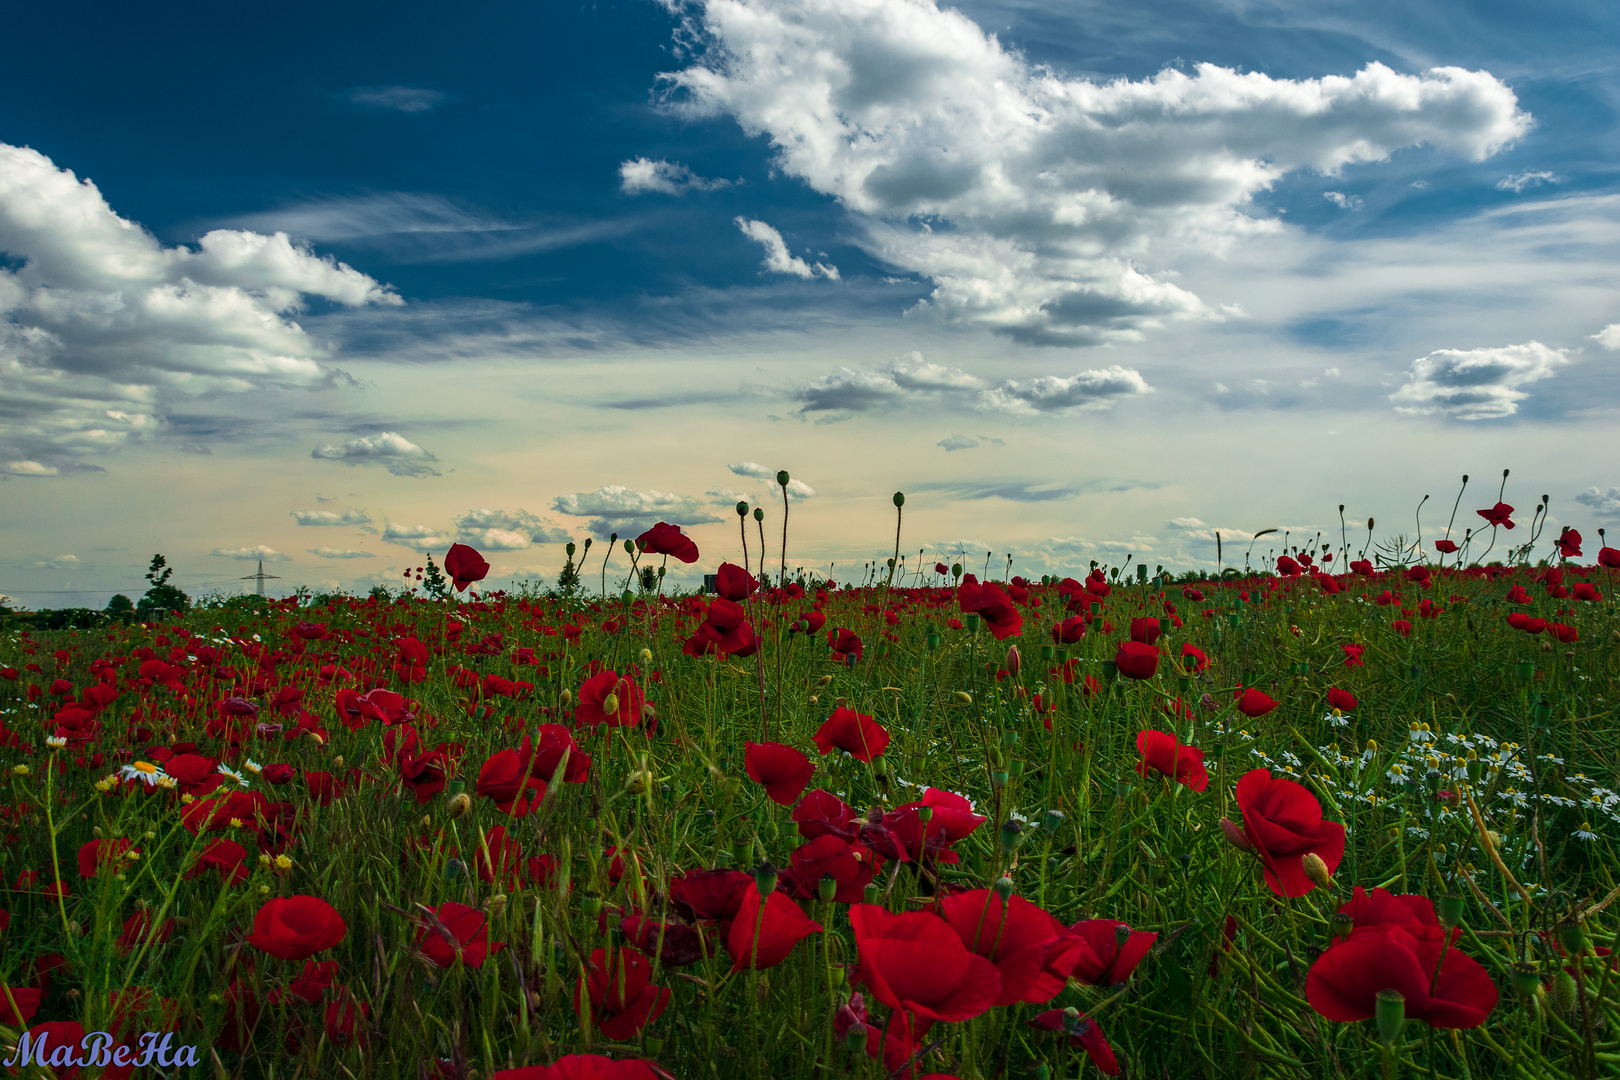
(1084, 278)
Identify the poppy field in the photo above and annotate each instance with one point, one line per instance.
(1338, 816)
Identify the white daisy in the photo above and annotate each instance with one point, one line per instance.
(144, 771)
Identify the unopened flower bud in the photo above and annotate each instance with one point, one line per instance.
(460, 804)
(646, 656)
(1389, 1013)
(610, 704)
(495, 905)
(1565, 992)
(964, 698)
(1014, 662)
(1317, 870)
(566, 697)
(1234, 836)
(1449, 910)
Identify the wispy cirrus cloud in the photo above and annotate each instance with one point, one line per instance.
(405, 99)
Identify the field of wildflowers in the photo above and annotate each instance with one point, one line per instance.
(1288, 823)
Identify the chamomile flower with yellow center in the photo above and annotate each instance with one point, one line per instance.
(1585, 832)
(144, 771)
(253, 766)
(241, 780)
(55, 742)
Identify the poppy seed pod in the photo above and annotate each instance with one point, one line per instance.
(759, 514)
(1525, 979)
(1341, 923)
(1004, 888)
(899, 498)
(742, 509)
(855, 1038)
(570, 548)
(765, 879)
(1573, 937)
(1012, 834)
(1449, 910)
(782, 478)
(1390, 1015)
(827, 888)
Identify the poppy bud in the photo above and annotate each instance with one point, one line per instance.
(1014, 661)
(956, 570)
(824, 680)
(827, 888)
(1525, 979)
(1234, 836)
(1449, 910)
(1573, 937)
(1565, 991)
(460, 804)
(495, 905)
(1041, 1071)
(1340, 923)
(1316, 870)
(1012, 834)
(610, 704)
(782, 478)
(899, 499)
(964, 697)
(1389, 1012)
(1122, 789)
(646, 656)
(1004, 888)
(566, 697)
(765, 879)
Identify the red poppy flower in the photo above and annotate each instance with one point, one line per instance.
(1032, 951)
(595, 707)
(1200, 658)
(821, 813)
(555, 740)
(1379, 908)
(296, 927)
(621, 1001)
(1283, 822)
(855, 732)
(763, 935)
(424, 774)
(709, 894)
(1500, 514)
(917, 963)
(27, 999)
(1610, 557)
(323, 787)
(226, 856)
(852, 866)
(1345, 981)
(51, 1039)
(1136, 660)
(1287, 567)
(1343, 700)
(1145, 630)
(783, 770)
(844, 643)
(1445, 547)
(1352, 655)
(990, 604)
(312, 983)
(1252, 702)
(584, 1067)
(1083, 1034)
(1163, 753)
(1069, 631)
(734, 583)
(102, 854)
(454, 930)
(1569, 543)
(345, 1020)
(676, 943)
(1108, 956)
(666, 539)
(465, 566)
(138, 931)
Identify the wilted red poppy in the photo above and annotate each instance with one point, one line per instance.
(454, 930)
(855, 732)
(621, 1001)
(763, 935)
(1283, 822)
(1108, 956)
(783, 770)
(666, 539)
(345, 1020)
(676, 943)
(917, 963)
(1163, 753)
(312, 982)
(1343, 700)
(1346, 980)
(1032, 951)
(296, 927)
(1083, 1034)
(465, 566)
(1252, 702)
(1136, 660)
(1500, 514)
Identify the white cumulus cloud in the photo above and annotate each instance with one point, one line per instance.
(1476, 384)
(417, 537)
(1530, 178)
(331, 517)
(1609, 336)
(615, 508)
(777, 258)
(1048, 208)
(251, 554)
(500, 530)
(103, 329)
(640, 175)
(1605, 504)
(390, 449)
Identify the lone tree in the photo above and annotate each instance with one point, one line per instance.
(162, 596)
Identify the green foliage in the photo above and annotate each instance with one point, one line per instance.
(162, 597)
(434, 582)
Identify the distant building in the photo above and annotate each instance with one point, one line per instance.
(709, 582)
